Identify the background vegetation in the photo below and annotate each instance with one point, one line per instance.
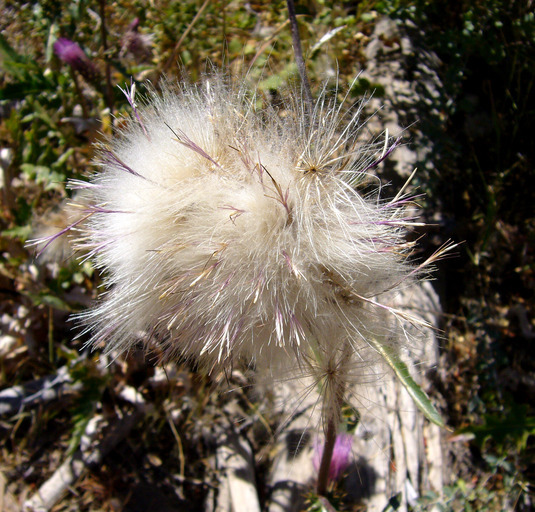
(478, 181)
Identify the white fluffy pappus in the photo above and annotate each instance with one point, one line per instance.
(231, 234)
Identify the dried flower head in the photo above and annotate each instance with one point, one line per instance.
(136, 44)
(228, 233)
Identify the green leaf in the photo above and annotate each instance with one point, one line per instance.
(394, 503)
(52, 37)
(326, 37)
(415, 391)
(20, 90)
(7, 52)
(351, 417)
(515, 425)
(29, 78)
(49, 300)
(18, 232)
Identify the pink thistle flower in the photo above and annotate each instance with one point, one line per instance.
(341, 458)
(70, 52)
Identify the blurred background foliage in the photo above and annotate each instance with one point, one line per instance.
(477, 178)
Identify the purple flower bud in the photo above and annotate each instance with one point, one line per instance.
(134, 24)
(70, 53)
(341, 455)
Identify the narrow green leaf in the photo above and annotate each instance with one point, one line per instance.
(20, 232)
(394, 503)
(49, 300)
(52, 37)
(415, 391)
(326, 37)
(7, 51)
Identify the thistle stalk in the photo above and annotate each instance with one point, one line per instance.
(104, 40)
(326, 457)
(335, 383)
(301, 67)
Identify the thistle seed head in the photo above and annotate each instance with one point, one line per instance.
(228, 233)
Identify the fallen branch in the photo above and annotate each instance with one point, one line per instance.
(87, 456)
(52, 387)
(234, 461)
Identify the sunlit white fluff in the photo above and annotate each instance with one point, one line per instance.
(228, 233)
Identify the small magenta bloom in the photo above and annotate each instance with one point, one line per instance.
(341, 456)
(70, 52)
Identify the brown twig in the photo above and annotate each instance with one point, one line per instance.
(301, 67)
(38, 392)
(266, 42)
(83, 101)
(103, 35)
(172, 58)
(92, 456)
